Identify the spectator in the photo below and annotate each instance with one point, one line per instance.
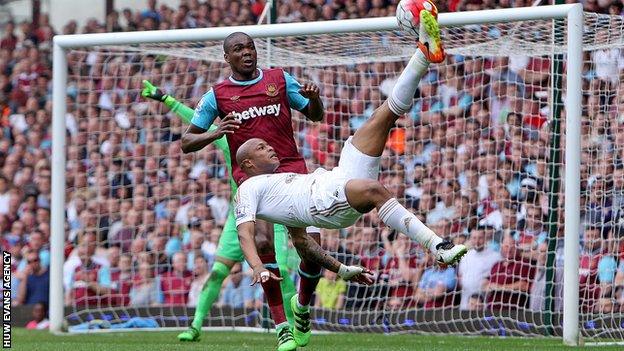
(89, 244)
(87, 283)
(120, 276)
(220, 203)
(510, 279)
(533, 235)
(330, 292)
(592, 252)
(200, 276)
(403, 271)
(198, 244)
(538, 292)
(237, 292)
(145, 290)
(33, 288)
(39, 315)
(475, 267)
(436, 285)
(176, 283)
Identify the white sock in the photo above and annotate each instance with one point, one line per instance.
(400, 219)
(402, 96)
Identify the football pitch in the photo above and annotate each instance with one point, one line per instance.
(225, 341)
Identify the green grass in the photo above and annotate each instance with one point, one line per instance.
(225, 341)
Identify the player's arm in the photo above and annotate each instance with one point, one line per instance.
(248, 245)
(196, 138)
(304, 98)
(153, 92)
(314, 111)
(310, 250)
(246, 205)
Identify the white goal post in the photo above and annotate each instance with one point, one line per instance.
(573, 106)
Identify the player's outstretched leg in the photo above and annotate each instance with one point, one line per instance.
(371, 138)
(366, 194)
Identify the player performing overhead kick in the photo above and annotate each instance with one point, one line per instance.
(337, 198)
(252, 103)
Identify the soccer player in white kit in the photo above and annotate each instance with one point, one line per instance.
(337, 198)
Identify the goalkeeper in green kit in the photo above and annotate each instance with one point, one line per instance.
(228, 250)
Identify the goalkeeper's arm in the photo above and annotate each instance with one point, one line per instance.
(152, 92)
(184, 112)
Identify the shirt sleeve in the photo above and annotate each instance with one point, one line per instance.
(296, 100)
(246, 203)
(206, 111)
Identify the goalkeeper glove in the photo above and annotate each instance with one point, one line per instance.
(152, 92)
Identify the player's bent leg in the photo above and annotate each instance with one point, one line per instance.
(309, 274)
(365, 194)
(371, 137)
(209, 294)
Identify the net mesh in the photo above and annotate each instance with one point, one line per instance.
(478, 159)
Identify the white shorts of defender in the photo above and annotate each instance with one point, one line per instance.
(330, 206)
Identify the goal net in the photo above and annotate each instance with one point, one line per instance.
(479, 159)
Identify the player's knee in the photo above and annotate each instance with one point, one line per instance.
(376, 192)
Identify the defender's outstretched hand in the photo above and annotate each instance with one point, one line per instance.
(310, 91)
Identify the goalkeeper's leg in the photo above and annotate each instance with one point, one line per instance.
(228, 253)
(210, 293)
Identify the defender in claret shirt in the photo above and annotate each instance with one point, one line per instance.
(254, 103)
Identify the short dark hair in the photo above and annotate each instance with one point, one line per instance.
(229, 38)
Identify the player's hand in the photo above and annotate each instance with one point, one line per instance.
(228, 125)
(310, 91)
(152, 92)
(365, 278)
(262, 275)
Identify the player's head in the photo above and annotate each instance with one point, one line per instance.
(239, 51)
(256, 157)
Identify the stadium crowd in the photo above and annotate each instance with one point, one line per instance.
(471, 159)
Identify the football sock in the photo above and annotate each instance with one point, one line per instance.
(209, 293)
(280, 237)
(272, 290)
(288, 290)
(400, 219)
(310, 274)
(402, 96)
